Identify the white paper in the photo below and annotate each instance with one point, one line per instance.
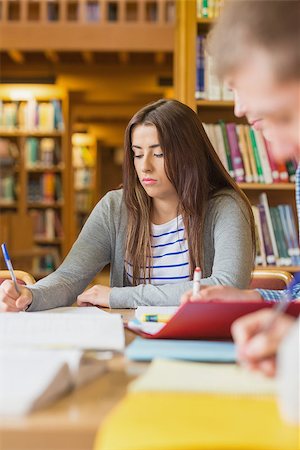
(74, 310)
(31, 379)
(81, 331)
(183, 376)
(170, 310)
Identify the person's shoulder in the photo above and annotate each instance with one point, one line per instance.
(228, 200)
(112, 199)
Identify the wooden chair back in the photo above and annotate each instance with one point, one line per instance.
(22, 277)
(270, 279)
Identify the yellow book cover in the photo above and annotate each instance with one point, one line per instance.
(181, 421)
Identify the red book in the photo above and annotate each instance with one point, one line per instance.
(207, 320)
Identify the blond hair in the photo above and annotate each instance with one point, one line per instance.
(272, 26)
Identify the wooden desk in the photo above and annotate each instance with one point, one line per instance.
(71, 422)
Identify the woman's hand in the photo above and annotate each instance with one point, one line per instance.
(11, 300)
(223, 294)
(97, 295)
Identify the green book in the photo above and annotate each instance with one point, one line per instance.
(227, 148)
(256, 156)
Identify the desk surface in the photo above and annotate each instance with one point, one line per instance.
(71, 422)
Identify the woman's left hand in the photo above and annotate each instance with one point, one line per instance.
(97, 295)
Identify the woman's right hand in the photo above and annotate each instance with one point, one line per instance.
(11, 300)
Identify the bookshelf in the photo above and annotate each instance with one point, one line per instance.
(215, 104)
(34, 137)
(85, 176)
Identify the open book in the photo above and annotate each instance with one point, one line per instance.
(31, 379)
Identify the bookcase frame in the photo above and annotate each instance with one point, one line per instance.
(188, 25)
(22, 205)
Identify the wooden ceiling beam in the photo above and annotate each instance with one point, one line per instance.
(16, 56)
(52, 56)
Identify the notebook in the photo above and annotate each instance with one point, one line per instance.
(209, 351)
(32, 379)
(202, 320)
(183, 376)
(191, 420)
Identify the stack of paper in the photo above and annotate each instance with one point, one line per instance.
(72, 328)
(42, 354)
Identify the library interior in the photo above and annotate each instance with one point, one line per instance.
(73, 73)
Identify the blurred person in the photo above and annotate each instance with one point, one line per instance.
(255, 46)
(178, 208)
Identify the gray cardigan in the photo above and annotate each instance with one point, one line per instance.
(227, 246)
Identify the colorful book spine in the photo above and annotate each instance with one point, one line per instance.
(270, 257)
(245, 154)
(236, 157)
(264, 160)
(227, 148)
(200, 87)
(256, 156)
(264, 201)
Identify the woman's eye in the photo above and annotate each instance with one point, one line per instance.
(159, 155)
(137, 156)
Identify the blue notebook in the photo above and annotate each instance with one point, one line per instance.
(205, 351)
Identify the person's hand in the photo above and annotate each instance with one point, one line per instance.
(222, 293)
(11, 300)
(257, 348)
(97, 295)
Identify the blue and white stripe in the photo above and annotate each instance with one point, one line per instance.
(170, 254)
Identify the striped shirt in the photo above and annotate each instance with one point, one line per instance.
(170, 254)
(275, 296)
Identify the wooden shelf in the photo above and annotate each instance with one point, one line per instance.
(43, 169)
(40, 240)
(34, 133)
(215, 104)
(44, 205)
(286, 268)
(8, 205)
(205, 21)
(267, 187)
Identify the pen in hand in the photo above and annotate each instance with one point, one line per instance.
(196, 281)
(10, 267)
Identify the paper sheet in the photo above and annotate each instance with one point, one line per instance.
(68, 330)
(31, 378)
(182, 376)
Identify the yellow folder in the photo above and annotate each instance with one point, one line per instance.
(165, 421)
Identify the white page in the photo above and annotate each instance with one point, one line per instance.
(183, 376)
(86, 331)
(31, 378)
(73, 310)
(155, 310)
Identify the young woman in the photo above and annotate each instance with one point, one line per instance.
(178, 209)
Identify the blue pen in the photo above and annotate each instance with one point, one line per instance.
(283, 303)
(10, 267)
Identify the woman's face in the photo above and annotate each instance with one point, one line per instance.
(149, 162)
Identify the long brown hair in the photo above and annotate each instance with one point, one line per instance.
(194, 169)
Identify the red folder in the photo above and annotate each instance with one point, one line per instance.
(208, 320)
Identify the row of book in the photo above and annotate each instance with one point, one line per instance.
(209, 9)
(45, 188)
(208, 86)
(246, 155)
(84, 178)
(42, 152)
(277, 240)
(44, 265)
(31, 115)
(46, 224)
(7, 188)
(84, 202)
